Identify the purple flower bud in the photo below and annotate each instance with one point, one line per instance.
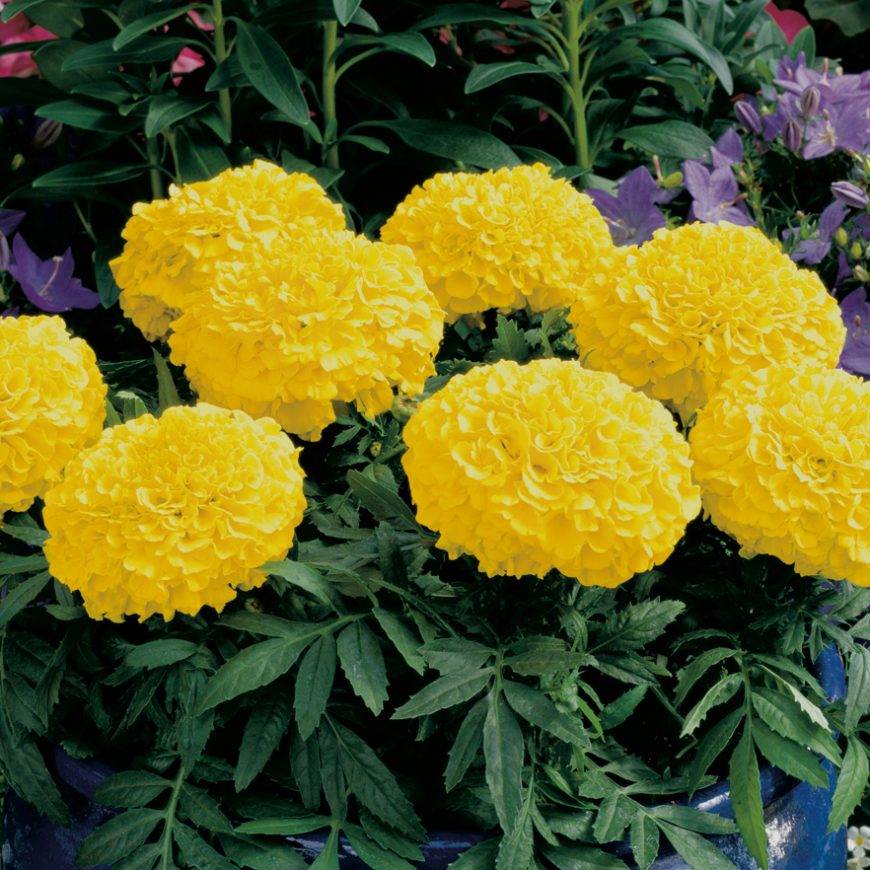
(4, 253)
(792, 135)
(810, 101)
(850, 194)
(47, 134)
(748, 116)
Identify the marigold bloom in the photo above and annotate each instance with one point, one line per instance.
(339, 319)
(697, 303)
(174, 245)
(783, 459)
(550, 465)
(52, 404)
(510, 239)
(173, 514)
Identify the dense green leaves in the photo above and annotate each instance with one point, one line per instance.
(314, 684)
(746, 797)
(851, 783)
(503, 750)
(363, 664)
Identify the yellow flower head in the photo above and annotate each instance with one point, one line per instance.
(174, 245)
(695, 304)
(550, 465)
(52, 404)
(287, 334)
(510, 239)
(173, 514)
(783, 459)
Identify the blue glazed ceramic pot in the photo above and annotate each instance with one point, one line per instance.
(796, 818)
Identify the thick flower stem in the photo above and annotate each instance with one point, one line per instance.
(220, 55)
(157, 191)
(330, 117)
(166, 838)
(574, 33)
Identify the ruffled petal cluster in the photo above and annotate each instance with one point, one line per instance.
(52, 404)
(173, 245)
(341, 319)
(550, 465)
(694, 305)
(173, 514)
(510, 239)
(783, 460)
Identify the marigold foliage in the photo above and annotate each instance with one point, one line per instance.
(550, 465)
(510, 239)
(52, 404)
(339, 319)
(173, 514)
(783, 460)
(174, 245)
(695, 304)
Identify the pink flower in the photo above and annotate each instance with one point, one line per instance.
(19, 64)
(187, 61)
(791, 23)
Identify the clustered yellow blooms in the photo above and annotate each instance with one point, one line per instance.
(52, 404)
(783, 459)
(510, 239)
(173, 514)
(695, 305)
(172, 245)
(550, 465)
(335, 318)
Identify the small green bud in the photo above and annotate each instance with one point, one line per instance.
(861, 273)
(675, 179)
(17, 162)
(856, 250)
(841, 237)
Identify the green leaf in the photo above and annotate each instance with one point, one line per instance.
(370, 852)
(456, 142)
(669, 139)
(536, 657)
(165, 110)
(247, 852)
(19, 597)
(638, 624)
(197, 852)
(789, 757)
(851, 783)
(583, 858)
(22, 531)
(144, 858)
(616, 712)
(363, 664)
(382, 503)
(305, 766)
(132, 788)
(694, 819)
(851, 16)
(785, 717)
(10, 564)
(689, 675)
(330, 773)
(387, 838)
(485, 75)
(677, 35)
(614, 815)
(202, 810)
(264, 730)
(328, 858)
(516, 848)
(714, 742)
(142, 25)
(479, 857)
(147, 49)
(265, 624)
(25, 770)
(509, 341)
(314, 684)
(503, 750)
(466, 745)
(535, 707)
(695, 850)
(254, 666)
(84, 117)
(372, 144)
(413, 44)
(644, 839)
(87, 174)
(720, 693)
(858, 696)
(746, 797)
(455, 654)
(167, 394)
(118, 837)
(270, 72)
(447, 691)
(284, 827)
(374, 786)
(158, 653)
(406, 642)
(199, 158)
(345, 10)
(303, 577)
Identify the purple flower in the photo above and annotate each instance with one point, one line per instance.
(855, 311)
(747, 115)
(792, 136)
(715, 195)
(632, 214)
(9, 220)
(727, 150)
(49, 284)
(850, 194)
(813, 251)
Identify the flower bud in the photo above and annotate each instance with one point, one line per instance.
(861, 273)
(792, 135)
(4, 253)
(841, 237)
(856, 250)
(810, 100)
(404, 407)
(17, 162)
(47, 134)
(850, 194)
(675, 179)
(747, 116)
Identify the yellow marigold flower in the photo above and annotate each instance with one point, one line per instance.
(173, 514)
(288, 334)
(681, 313)
(52, 404)
(174, 245)
(783, 460)
(550, 465)
(510, 239)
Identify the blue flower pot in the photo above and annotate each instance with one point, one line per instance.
(796, 817)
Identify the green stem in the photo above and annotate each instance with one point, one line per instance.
(166, 838)
(170, 139)
(86, 224)
(577, 95)
(153, 153)
(220, 55)
(329, 80)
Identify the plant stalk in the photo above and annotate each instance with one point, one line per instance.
(220, 55)
(574, 34)
(166, 838)
(329, 80)
(153, 152)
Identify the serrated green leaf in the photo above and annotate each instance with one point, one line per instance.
(363, 664)
(23, 593)
(144, 858)
(447, 691)
(614, 815)
(746, 797)
(202, 810)
(509, 341)
(583, 858)
(455, 654)
(636, 625)
(330, 772)
(406, 642)
(314, 684)
(370, 852)
(264, 624)
(466, 746)
(255, 855)
(697, 851)
(858, 696)
(287, 827)
(118, 837)
(516, 848)
(328, 858)
(305, 766)
(503, 751)
(479, 857)
(789, 757)
(197, 852)
(720, 693)
(644, 839)
(263, 732)
(303, 577)
(689, 675)
(694, 819)
(131, 788)
(159, 653)
(851, 783)
(382, 503)
(785, 717)
(25, 770)
(405, 847)
(535, 707)
(616, 712)
(712, 746)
